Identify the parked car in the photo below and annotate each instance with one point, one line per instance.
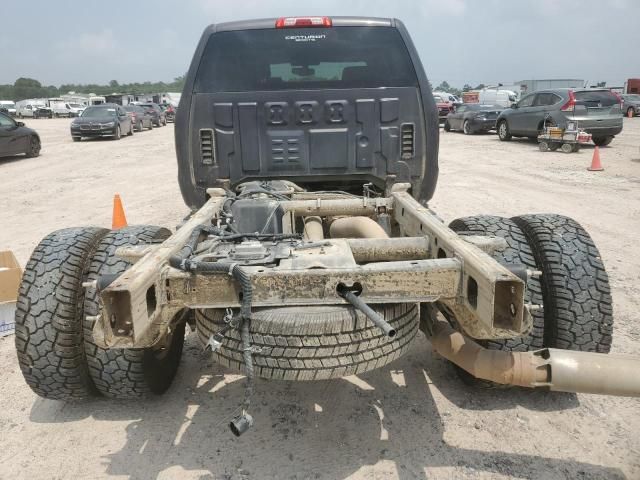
(159, 117)
(106, 120)
(443, 107)
(9, 106)
(16, 139)
(473, 118)
(42, 112)
(448, 98)
(597, 111)
(140, 117)
(631, 104)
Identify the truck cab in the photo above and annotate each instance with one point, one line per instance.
(328, 103)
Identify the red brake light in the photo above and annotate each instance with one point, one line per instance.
(620, 99)
(293, 22)
(571, 104)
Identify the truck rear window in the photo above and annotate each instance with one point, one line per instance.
(305, 58)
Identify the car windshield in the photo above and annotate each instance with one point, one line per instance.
(132, 108)
(279, 59)
(99, 112)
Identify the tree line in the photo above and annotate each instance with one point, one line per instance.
(445, 87)
(24, 88)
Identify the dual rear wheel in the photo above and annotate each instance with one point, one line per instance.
(54, 340)
(573, 288)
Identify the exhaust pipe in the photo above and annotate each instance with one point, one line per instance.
(356, 227)
(313, 231)
(549, 368)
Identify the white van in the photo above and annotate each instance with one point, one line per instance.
(9, 105)
(494, 96)
(448, 98)
(59, 107)
(27, 108)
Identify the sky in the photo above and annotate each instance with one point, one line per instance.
(460, 41)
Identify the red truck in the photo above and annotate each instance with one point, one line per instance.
(633, 85)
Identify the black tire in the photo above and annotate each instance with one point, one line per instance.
(577, 298)
(517, 251)
(34, 147)
(504, 133)
(631, 112)
(466, 128)
(49, 314)
(139, 126)
(447, 126)
(151, 125)
(127, 373)
(314, 342)
(130, 132)
(117, 134)
(602, 141)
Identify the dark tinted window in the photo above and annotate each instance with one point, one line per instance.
(543, 99)
(526, 101)
(305, 58)
(596, 98)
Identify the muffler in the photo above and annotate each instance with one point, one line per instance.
(549, 368)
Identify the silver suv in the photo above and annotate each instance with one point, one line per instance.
(598, 111)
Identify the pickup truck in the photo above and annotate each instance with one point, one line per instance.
(307, 152)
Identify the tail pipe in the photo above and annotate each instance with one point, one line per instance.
(549, 368)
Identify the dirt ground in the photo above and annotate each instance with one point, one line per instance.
(412, 419)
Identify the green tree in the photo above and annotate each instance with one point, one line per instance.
(443, 87)
(467, 87)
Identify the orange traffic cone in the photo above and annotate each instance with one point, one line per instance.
(596, 166)
(119, 219)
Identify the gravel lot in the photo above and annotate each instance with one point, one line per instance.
(413, 419)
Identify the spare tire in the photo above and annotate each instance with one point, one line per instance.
(313, 342)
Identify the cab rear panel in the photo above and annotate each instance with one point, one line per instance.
(330, 107)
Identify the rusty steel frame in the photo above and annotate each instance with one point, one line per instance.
(434, 265)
